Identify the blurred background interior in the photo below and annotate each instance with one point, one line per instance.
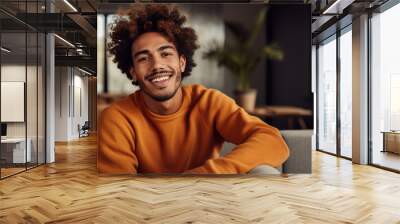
(281, 79)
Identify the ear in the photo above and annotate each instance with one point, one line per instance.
(132, 72)
(182, 63)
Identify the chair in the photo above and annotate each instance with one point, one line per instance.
(84, 130)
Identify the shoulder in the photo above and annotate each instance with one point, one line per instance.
(199, 91)
(208, 97)
(121, 107)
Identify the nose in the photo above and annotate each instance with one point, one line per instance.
(157, 63)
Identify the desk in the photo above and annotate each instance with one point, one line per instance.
(13, 150)
(290, 112)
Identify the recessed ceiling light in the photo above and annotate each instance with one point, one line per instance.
(84, 71)
(337, 7)
(64, 40)
(5, 50)
(70, 5)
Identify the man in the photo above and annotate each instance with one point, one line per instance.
(169, 128)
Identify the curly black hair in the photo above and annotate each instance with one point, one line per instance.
(163, 19)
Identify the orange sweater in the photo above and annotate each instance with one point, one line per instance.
(133, 139)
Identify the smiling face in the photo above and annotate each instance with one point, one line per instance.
(157, 66)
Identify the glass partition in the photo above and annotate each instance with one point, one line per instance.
(22, 88)
(14, 153)
(327, 95)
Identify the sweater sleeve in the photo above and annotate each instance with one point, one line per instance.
(116, 148)
(257, 142)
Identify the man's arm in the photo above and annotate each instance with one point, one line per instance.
(116, 146)
(257, 142)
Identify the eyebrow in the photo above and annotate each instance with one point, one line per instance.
(163, 47)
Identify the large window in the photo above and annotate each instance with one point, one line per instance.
(346, 93)
(385, 88)
(335, 94)
(327, 95)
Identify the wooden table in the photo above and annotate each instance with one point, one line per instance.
(289, 112)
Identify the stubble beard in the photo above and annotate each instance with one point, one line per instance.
(164, 97)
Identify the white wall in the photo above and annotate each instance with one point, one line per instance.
(80, 97)
(71, 93)
(61, 103)
(33, 127)
(209, 27)
(12, 73)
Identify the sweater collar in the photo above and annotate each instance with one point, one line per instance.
(182, 109)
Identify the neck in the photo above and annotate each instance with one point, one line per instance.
(166, 107)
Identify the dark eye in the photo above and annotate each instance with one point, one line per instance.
(142, 59)
(164, 54)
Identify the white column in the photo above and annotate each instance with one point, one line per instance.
(360, 90)
(50, 93)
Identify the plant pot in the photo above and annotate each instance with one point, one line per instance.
(246, 99)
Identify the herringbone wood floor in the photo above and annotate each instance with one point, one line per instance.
(70, 191)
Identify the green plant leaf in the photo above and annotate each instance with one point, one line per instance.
(225, 57)
(241, 58)
(240, 32)
(259, 23)
(273, 51)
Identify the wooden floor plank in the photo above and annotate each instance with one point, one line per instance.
(70, 191)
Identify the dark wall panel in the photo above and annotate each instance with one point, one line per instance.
(289, 80)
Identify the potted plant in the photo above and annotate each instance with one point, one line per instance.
(242, 57)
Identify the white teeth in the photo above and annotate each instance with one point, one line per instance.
(159, 79)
